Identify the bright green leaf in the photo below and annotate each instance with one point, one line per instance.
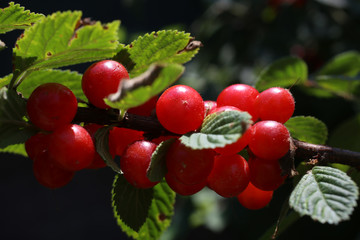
(102, 147)
(15, 149)
(157, 169)
(16, 17)
(168, 74)
(68, 78)
(13, 128)
(344, 64)
(131, 205)
(307, 129)
(218, 130)
(5, 80)
(325, 194)
(284, 72)
(346, 135)
(58, 40)
(166, 46)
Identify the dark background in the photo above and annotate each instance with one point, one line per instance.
(240, 38)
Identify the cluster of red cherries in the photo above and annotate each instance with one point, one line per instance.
(61, 148)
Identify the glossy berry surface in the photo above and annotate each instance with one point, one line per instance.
(241, 96)
(97, 162)
(189, 166)
(120, 138)
(270, 140)
(254, 198)
(48, 174)
(51, 105)
(102, 79)
(209, 105)
(275, 104)
(180, 109)
(183, 189)
(71, 147)
(265, 175)
(36, 144)
(135, 162)
(229, 176)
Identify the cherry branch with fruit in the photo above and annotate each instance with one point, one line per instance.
(161, 138)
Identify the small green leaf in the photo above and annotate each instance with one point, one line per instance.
(346, 135)
(344, 64)
(13, 128)
(284, 72)
(340, 86)
(130, 205)
(68, 78)
(307, 129)
(157, 169)
(5, 80)
(325, 194)
(168, 46)
(16, 17)
(15, 149)
(60, 40)
(135, 95)
(102, 147)
(218, 130)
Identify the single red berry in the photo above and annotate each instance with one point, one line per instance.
(229, 176)
(102, 79)
(97, 162)
(183, 189)
(265, 175)
(36, 144)
(188, 165)
(135, 162)
(254, 198)
(120, 138)
(241, 96)
(51, 105)
(48, 174)
(270, 140)
(223, 109)
(180, 109)
(71, 147)
(275, 104)
(145, 109)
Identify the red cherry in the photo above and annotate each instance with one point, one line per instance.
(183, 189)
(36, 144)
(102, 79)
(71, 147)
(146, 108)
(135, 162)
(229, 176)
(51, 105)
(254, 198)
(120, 138)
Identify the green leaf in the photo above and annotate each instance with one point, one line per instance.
(60, 40)
(166, 46)
(13, 128)
(284, 72)
(346, 135)
(325, 194)
(16, 17)
(102, 147)
(344, 64)
(218, 130)
(135, 95)
(15, 149)
(340, 86)
(5, 80)
(68, 78)
(157, 169)
(130, 206)
(307, 129)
